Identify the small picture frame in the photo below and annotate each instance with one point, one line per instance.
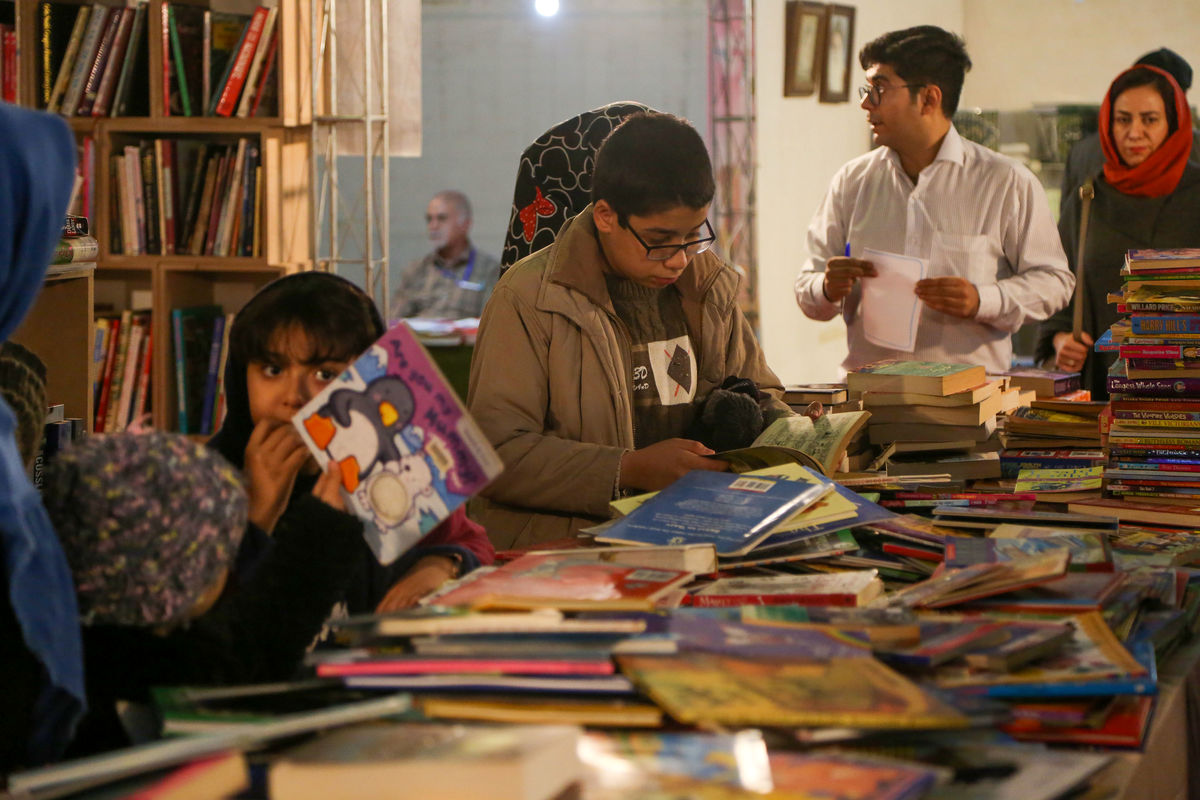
(838, 47)
(805, 31)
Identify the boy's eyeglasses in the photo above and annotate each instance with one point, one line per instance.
(874, 93)
(665, 252)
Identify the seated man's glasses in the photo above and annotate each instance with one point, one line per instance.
(665, 252)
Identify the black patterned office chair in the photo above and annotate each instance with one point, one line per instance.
(554, 178)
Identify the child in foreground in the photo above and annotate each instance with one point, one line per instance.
(596, 356)
(290, 341)
(151, 524)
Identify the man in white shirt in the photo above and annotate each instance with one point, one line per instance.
(981, 219)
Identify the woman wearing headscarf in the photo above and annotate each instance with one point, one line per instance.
(1146, 196)
(39, 631)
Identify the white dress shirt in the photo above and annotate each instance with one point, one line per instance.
(973, 213)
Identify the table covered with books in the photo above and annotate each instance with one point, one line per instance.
(787, 628)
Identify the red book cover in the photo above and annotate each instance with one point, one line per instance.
(422, 665)
(114, 333)
(566, 582)
(1125, 726)
(8, 44)
(241, 64)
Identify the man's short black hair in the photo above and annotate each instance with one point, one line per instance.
(923, 56)
(1168, 60)
(652, 162)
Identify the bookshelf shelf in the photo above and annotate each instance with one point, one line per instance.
(271, 220)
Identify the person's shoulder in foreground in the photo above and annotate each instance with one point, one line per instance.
(556, 383)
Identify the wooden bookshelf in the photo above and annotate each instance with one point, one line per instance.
(59, 330)
(165, 281)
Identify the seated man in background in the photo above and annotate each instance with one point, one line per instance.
(454, 280)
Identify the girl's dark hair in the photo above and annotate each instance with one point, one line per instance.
(1145, 77)
(339, 318)
(652, 162)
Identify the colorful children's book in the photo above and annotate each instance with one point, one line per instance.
(565, 582)
(1125, 725)
(734, 512)
(703, 688)
(408, 452)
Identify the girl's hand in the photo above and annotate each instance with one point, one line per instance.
(426, 575)
(274, 456)
(328, 487)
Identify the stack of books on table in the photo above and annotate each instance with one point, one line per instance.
(1154, 385)
(937, 418)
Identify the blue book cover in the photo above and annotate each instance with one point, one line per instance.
(865, 513)
(180, 370)
(733, 512)
(210, 382)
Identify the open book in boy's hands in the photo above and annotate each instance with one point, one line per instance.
(408, 451)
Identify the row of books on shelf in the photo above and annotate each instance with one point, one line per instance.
(187, 196)
(58, 432)
(95, 60)
(123, 359)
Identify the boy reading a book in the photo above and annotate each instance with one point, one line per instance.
(290, 341)
(595, 354)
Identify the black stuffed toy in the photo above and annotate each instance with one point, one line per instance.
(730, 416)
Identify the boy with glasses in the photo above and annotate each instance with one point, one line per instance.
(979, 218)
(593, 353)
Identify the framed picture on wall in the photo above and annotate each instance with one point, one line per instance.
(802, 47)
(838, 49)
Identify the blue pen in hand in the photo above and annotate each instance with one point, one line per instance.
(847, 249)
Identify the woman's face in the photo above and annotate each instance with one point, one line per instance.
(1139, 123)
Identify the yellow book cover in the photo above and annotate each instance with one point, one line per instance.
(697, 688)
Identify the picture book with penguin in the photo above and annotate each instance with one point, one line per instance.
(408, 451)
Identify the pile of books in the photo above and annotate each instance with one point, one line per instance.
(934, 418)
(76, 249)
(1154, 436)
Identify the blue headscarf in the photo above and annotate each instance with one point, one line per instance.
(37, 170)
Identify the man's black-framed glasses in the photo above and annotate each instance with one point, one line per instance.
(665, 252)
(874, 92)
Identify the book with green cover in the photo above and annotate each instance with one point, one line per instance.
(791, 438)
(923, 377)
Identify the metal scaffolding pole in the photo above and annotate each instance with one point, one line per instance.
(732, 134)
(351, 230)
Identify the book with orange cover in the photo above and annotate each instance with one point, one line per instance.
(566, 582)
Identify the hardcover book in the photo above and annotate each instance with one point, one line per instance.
(408, 451)
(923, 377)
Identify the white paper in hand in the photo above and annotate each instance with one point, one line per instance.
(890, 307)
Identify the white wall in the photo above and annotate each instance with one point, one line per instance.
(801, 144)
(1056, 51)
(495, 76)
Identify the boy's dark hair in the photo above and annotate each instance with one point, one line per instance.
(1135, 77)
(922, 56)
(650, 163)
(338, 317)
